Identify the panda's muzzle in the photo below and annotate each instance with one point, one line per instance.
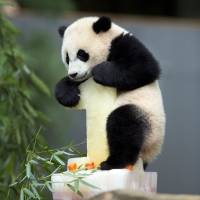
(72, 76)
(76, 77)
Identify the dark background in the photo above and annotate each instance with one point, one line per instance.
(173, 8)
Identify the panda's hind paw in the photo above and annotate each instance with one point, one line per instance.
(109, 164)
(105, 166)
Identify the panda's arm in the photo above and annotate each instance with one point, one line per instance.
(67, 92)
(130, 65)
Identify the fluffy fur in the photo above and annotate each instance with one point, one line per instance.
(103, 24)
(67, 92)
(125, 100)
(61, 30)
(129, 66)
(126, 129)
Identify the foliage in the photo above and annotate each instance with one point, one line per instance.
(41, 163)
(26, 164)
(77, 179)
(50, 69)
(19, 119)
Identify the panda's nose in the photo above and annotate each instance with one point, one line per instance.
(73, 75)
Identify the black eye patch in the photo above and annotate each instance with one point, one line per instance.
(67, 58)
(82, 55)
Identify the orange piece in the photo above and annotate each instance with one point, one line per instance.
(129, 167)
(72, 167)
(90, 165)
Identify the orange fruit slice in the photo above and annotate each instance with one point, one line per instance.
(90, 165)
(72, 167)
(129, 167)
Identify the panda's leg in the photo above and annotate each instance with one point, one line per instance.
(126, 128)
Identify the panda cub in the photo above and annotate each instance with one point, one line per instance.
(95, 48)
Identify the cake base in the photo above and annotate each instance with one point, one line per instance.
(136, 180)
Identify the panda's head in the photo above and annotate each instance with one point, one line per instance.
(86, 43)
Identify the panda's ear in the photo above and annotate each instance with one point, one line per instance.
(103, 24)
(61, 30)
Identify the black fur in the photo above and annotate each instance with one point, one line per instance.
(67, 58)
(130, 65)
(61, 30)
(67, 92)
(83, 55)
(126, 128)
(103, 24)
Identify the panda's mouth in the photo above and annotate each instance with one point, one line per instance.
(84, 77)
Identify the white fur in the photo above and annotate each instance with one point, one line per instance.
(99, 101)
(149, 99)
(80, 35)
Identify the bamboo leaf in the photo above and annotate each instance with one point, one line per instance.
(35, 192)
(13, 184)
(49, 162)
(34, 162)
(18, 136)
(49, 186)
(40, 84)
(59, 160)
(69, 174)
(80, 194)
(41, 158)
(71, 187)
(59, 153)
(76, 185)
(28, 170)
(56, 170)
(29, 193)
(21, 194)
(69, 154)
(31, 109)
(89, 184)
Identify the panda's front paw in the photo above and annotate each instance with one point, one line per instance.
(67, 92)
(102, 74)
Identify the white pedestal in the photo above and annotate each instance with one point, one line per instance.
(136, 180)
